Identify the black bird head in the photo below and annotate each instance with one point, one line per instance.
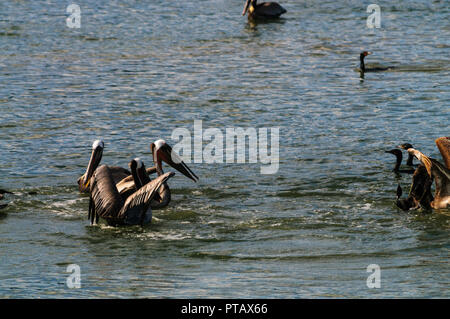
(405, 146)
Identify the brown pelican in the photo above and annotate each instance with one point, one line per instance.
(399, 156)
(118, 173)
(106, 202)
(420, 193)
(127, 186)
(438, 171)
(265, 10)
(162, 152)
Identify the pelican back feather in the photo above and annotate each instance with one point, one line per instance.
(142, 197)
(106, 200)
(443, 144)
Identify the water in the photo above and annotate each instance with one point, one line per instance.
(137, 70)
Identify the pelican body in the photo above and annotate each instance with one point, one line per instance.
(430, 170)
(106, 201)
(264, 10)
(420, 193)
(117, 173)
(161, 152)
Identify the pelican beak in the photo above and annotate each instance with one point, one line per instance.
(246, 7)
(96, 157)
(170, 157)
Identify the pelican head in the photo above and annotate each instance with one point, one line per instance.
(136, 163)
(96, 157)
(138, 172)
(162, 151)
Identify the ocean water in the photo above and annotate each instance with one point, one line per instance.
(135, 71)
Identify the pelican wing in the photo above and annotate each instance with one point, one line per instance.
(430, 163)
(106, 201)
(144, 195)
(422, 158)
(126, 185)
(119, 173)
(443, 144)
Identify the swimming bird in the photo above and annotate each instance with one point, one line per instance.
(399, 156)
(362, 66)
(161, 152)
(106, 202)
(439, 172)
(118, 173)
(264, 10)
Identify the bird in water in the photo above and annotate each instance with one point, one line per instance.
(399, 156)
(106, 202)
(439, 172)
(118, 173)
(264, 10)
(161, 152)
(420, 195)
(362, 66)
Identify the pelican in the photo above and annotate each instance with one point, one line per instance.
(265, 10)
(399, 156)
(161, 152)
(438, 171)
(106, 202)
(118, 173)
(420, 193)
(127, 186)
